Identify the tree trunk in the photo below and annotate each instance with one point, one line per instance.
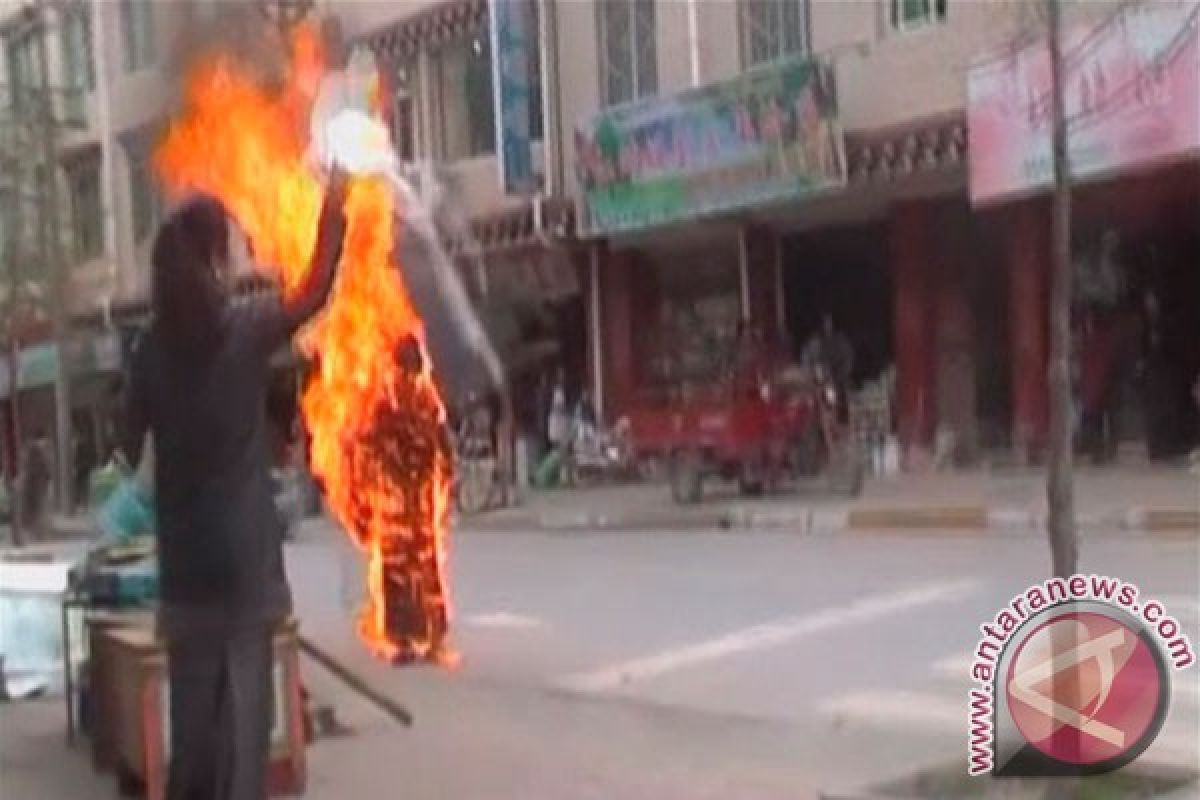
(1059, 485)
(1060, 488)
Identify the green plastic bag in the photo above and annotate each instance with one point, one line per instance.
(549, 472)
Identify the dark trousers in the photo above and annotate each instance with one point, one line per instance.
(221, 704)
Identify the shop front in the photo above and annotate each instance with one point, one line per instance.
(1133, 104)
(870, 230)
(679, 265)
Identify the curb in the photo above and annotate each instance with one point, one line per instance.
(817, 521)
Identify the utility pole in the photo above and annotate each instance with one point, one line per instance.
(1060, 490)
(14, 238)
(58, 275)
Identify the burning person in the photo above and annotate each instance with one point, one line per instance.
(408, 445)
(198, 387)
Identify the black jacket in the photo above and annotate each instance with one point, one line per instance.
(219, 534)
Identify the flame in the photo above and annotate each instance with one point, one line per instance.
(377, 423)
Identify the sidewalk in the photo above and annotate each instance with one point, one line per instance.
(1138, 499)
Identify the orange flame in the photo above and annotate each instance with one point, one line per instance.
(377, 429)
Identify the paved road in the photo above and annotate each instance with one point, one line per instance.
(698, 665)
(739, 660)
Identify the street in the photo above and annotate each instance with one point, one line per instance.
(661, 665)
(715, 664)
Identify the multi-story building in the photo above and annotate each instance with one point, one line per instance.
(941, 280)
(892, 228)
(108, 68)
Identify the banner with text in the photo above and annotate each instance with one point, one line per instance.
(1132, 91)
(513, 39)
(770, 134)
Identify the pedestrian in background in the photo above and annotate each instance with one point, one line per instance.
(198, 388)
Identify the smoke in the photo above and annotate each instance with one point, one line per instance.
(464, 357)
(239, 31)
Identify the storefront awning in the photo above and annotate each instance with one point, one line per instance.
(430, 29)
(518, 228)
(928, 145)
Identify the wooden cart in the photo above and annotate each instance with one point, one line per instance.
(129, 686)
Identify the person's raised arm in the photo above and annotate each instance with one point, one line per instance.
(272, 322)
(331, 231)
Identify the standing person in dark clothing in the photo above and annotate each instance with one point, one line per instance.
(198, 387)
(831, 349)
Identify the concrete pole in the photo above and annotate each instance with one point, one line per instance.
(14, 349)
(595, 332)
(780, 299)
(552, 144)
(112, 248)
(744, 270)
(693, 14)
(58, 271)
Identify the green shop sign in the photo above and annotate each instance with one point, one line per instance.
(37, 365)
(768, 135)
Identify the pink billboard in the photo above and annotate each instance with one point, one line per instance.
(1132, 85)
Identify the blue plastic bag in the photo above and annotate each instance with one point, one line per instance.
(127, 512)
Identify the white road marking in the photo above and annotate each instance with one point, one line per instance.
(503, 619)
(955, 666)
(902, 709)
(767, 635)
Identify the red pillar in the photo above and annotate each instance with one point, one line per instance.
(955, 380)
(913, 263)
(1028, 269)
(616, 317)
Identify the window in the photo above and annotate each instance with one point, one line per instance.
(629, 68)
(137, 31)
(24, 66)
(909, 14)
(77, 56)
(464, 71)
(143, 195)
(772, 29)
(87, 227)
(403, 111)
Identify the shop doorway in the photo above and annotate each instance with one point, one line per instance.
(843, 272)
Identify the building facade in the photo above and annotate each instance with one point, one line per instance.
(943, 291)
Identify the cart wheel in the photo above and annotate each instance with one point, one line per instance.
(687, 482)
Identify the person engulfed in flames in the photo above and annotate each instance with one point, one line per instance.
(407, 447)
(371, 409)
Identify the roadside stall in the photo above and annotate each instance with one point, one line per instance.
(80, 618)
